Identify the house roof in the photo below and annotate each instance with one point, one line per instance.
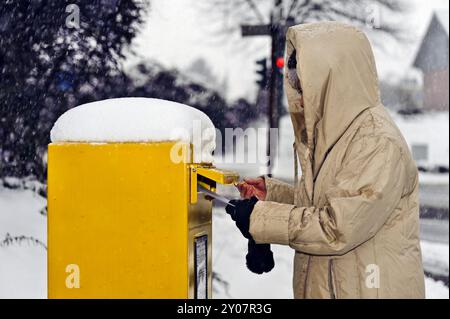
(433, 51)
(442, 16)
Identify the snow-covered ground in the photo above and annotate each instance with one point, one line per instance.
(23, 271)
(23, 265)
(435, 257)
(23, 260)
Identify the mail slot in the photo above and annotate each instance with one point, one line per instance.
(125, 221)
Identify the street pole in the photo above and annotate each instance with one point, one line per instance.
(277, 32)
(272, 109)
(276, 83)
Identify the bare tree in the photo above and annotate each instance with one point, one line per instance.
(381, 16)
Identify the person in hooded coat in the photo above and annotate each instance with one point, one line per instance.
(353, 216)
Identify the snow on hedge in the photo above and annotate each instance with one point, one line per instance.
(137, 120)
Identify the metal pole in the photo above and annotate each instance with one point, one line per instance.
(275, 92)
(271, 110)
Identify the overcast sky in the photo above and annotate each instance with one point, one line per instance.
(175, 34)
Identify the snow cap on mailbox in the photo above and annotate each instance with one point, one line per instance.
(137, 120)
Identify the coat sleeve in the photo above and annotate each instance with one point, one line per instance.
(278, 191)
(367, 189)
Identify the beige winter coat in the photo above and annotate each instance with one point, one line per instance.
(353, 217)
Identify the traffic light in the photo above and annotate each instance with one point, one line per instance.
(263, 80)
(280, 62)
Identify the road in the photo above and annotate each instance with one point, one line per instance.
(434, 230)
(434, 195)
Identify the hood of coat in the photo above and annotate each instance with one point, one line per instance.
(336, 68)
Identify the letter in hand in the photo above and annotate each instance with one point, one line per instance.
(253, 187)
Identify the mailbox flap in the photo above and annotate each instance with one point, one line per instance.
(207, 177)
(219, 176)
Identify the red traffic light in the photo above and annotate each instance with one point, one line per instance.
(280, 62)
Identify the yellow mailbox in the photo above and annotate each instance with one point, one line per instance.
(125, 221)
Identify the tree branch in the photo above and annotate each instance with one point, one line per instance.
(252, 5)
(292, 7)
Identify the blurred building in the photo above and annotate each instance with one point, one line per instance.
(403, 95)
(432, 59)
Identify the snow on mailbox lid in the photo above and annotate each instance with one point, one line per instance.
(137, 120)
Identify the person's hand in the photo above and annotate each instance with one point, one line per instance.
(259, 258)
(240, 211)
(253, 187)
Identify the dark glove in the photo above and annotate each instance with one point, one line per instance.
(259, 257)
(241, 212)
